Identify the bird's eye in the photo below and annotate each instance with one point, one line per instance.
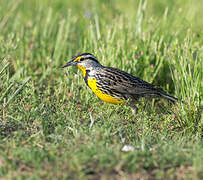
(82, 59)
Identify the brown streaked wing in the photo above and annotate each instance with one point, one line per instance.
(124, 82)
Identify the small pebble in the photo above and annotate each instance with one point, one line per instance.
(128, 148)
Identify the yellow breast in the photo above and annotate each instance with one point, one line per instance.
(92, 83)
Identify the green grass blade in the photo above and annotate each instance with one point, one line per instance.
(17, 91)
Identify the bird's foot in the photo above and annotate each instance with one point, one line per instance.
(134, 109)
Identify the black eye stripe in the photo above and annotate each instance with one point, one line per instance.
(92, 58)
(84, 58)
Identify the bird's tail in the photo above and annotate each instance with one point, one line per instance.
(171, 98)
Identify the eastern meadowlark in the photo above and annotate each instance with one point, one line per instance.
(114, 85)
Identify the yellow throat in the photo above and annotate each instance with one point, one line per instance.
(82, 69)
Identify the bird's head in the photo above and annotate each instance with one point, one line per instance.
(84, 62)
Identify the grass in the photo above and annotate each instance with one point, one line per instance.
(53, 127)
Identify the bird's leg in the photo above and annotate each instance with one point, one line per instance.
(132, 105)
(134, 108)
(131, 101)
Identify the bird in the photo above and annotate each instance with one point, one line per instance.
(113, 85)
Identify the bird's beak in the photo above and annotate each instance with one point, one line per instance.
(71, 63)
